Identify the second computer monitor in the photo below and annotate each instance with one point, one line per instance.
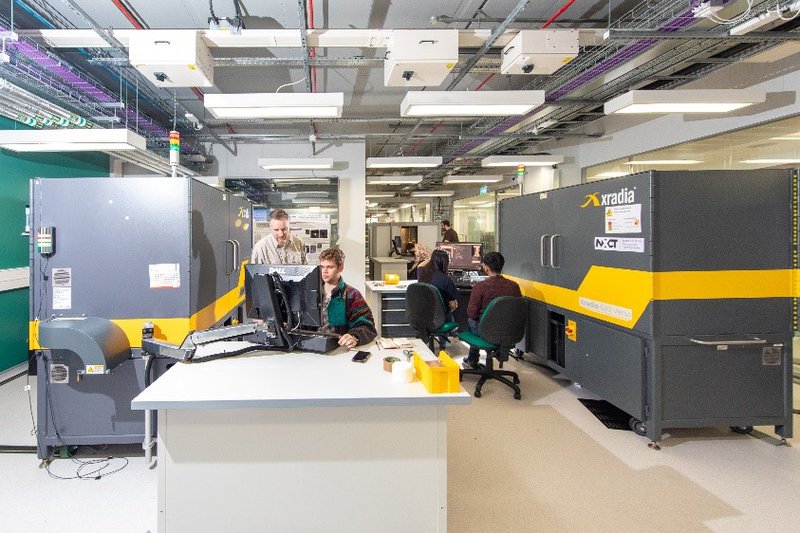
(464, 256)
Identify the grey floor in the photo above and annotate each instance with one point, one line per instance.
(540, 464)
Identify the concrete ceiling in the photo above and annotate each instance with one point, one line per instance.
(602, 70)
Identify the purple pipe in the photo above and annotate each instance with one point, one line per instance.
(92, 91)
(625, 54)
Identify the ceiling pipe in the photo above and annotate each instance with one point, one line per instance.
(752, 37)
(444, 19)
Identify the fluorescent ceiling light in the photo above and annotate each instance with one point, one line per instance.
(770, 161)
(380, 195)
(403, 162)
(315, 201)
(275, 105)
(393, 180)
(664, 162)
(295, 163)
(526, 160)
(71, 140)
(683, 101)
(754, 23)
(432, 194)
(790, 137)
(612, 174)
(301, 181)
(477, 178)
(406, 206)
(469, 103)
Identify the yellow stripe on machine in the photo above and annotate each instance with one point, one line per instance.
(620, 296)
(172, 330)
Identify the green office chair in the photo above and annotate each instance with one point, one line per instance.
(500, 328)
(426, 312)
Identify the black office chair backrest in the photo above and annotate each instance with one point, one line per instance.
(424, 307)
(504, 321)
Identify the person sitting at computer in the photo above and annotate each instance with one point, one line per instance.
(483, 293)
(279, 247)
(344, 309)
(436, 274)
(422, 254)
(448, 233)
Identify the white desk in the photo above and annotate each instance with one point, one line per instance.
(299, 442)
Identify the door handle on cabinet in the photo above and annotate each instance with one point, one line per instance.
(237, 258)
(542, 255)
(228, 272)
(729, 343)
(553, 251)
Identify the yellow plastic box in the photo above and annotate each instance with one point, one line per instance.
(438, 379)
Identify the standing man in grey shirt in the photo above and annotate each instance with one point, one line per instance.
(279, 247)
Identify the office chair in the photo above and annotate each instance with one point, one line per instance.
(426, 312)
(501, 326)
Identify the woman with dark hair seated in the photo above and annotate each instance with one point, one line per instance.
(435, 273)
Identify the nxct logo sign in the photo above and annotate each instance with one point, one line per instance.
(595, 199)
(619, 244)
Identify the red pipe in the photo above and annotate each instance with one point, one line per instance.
(313, 53)
(558, 13)
(128, 15)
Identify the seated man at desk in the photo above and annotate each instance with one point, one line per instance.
(483, 293)
(344, 309)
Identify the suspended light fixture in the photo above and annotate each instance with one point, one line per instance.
(403, 162)
(525, 160)
(469, 103)
(275, 105)
(94, 140)
(476, 178)
(684, 101)
(393, 180)
(296, 163)
(432, 194)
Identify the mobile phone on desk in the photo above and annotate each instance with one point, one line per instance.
(361, 357)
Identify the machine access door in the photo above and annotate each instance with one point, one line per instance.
(240, 235)
(526, 230)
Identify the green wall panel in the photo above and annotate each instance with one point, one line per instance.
(16, 169)
(13, 328)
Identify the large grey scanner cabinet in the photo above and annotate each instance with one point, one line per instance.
(669, 294)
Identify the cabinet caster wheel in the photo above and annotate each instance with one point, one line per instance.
(477, 394)
(637, 426)
(653, 446)
(742, 430)
(517, 396)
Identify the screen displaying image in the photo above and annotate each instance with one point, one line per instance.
(463, 255)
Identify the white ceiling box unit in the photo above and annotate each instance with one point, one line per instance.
(419, 58)
(172, 58)
(539, 51)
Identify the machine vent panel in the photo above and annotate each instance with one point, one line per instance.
(59, 373)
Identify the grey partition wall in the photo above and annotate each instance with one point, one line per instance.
(129, 257)
(669, 294)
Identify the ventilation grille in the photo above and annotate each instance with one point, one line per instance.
(59, 373)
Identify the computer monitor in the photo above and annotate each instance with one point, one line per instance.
(397, 246)
(287, 294)
(464, 256)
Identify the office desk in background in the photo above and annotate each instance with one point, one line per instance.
(299, 442)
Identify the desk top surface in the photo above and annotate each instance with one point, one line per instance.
(395, 259)
(297, 379)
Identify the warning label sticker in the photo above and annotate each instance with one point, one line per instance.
(623, 218)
